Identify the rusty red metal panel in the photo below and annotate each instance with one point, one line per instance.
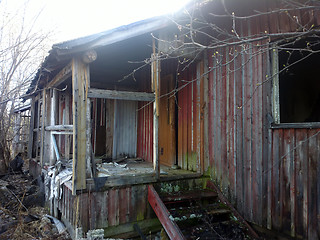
(163, 214)
(145, 131)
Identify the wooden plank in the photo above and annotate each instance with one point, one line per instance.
(55, 147)
(102, 216)
(224, 130)
(43, 121)
(89, 160)
(59, 128)
(123, 180)
(83, 211)
(305, 170)
(79, 81)
(313, 164)
(201, 141)
(239, 130)
(311, 125)
(113, 207)
(93, 208)
(205, 108)
(63, 75)
(53, 121)
(300, 155)
(231, 112)
(30, 144)
(123, 205)
(120, 95)
(286, 160)
(67, 121)
(126, 231)
(109, 127)
(163, 214)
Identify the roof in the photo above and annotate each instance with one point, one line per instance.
(62, 53)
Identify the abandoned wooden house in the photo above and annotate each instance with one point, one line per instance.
(149, 104)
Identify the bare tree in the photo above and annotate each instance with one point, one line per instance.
(22, 48)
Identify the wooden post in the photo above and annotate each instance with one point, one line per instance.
(31, 127)
(155, 79)
(53, 116)
(80, 82)
(43, 117)
(88, 135)
(67, 121)
(17, 134)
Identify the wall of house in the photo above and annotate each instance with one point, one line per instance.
(271, 175)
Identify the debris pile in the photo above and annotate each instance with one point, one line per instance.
(22, 212)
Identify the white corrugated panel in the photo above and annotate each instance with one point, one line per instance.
(125, 129)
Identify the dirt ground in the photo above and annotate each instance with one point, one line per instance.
(21, 213)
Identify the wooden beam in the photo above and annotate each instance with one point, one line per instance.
(67, 121)
(156, 165)
(53, 116)
(63, 75)
(43, 121)
(163, 214)
(30, 144)
(120, 95)
(61, 133)
(155, 81)
(59, 128)
(55, 147)
(80, 76)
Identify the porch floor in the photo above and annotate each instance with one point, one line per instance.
(132, 167)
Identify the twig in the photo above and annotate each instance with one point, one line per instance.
(18, 199)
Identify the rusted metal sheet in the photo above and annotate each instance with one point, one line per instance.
(125, 129)
(145, 131)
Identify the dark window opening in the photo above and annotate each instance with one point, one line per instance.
(299, 81)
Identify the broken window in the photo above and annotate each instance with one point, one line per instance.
(296, 89)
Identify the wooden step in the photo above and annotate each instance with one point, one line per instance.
(184, 214)
(190, 195)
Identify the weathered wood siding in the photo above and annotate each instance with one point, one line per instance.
(93, 210)
(271, 175)
(188, 119)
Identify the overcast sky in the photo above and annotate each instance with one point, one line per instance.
(75, 18)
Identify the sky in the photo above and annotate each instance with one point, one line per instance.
(71, 19)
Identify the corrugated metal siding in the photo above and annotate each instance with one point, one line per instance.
(272, 176)
(125, 129)
(145, 131)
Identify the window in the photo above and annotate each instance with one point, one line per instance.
(296, 90)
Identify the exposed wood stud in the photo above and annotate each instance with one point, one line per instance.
(43, 121)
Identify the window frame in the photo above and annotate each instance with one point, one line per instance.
(275, 96)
